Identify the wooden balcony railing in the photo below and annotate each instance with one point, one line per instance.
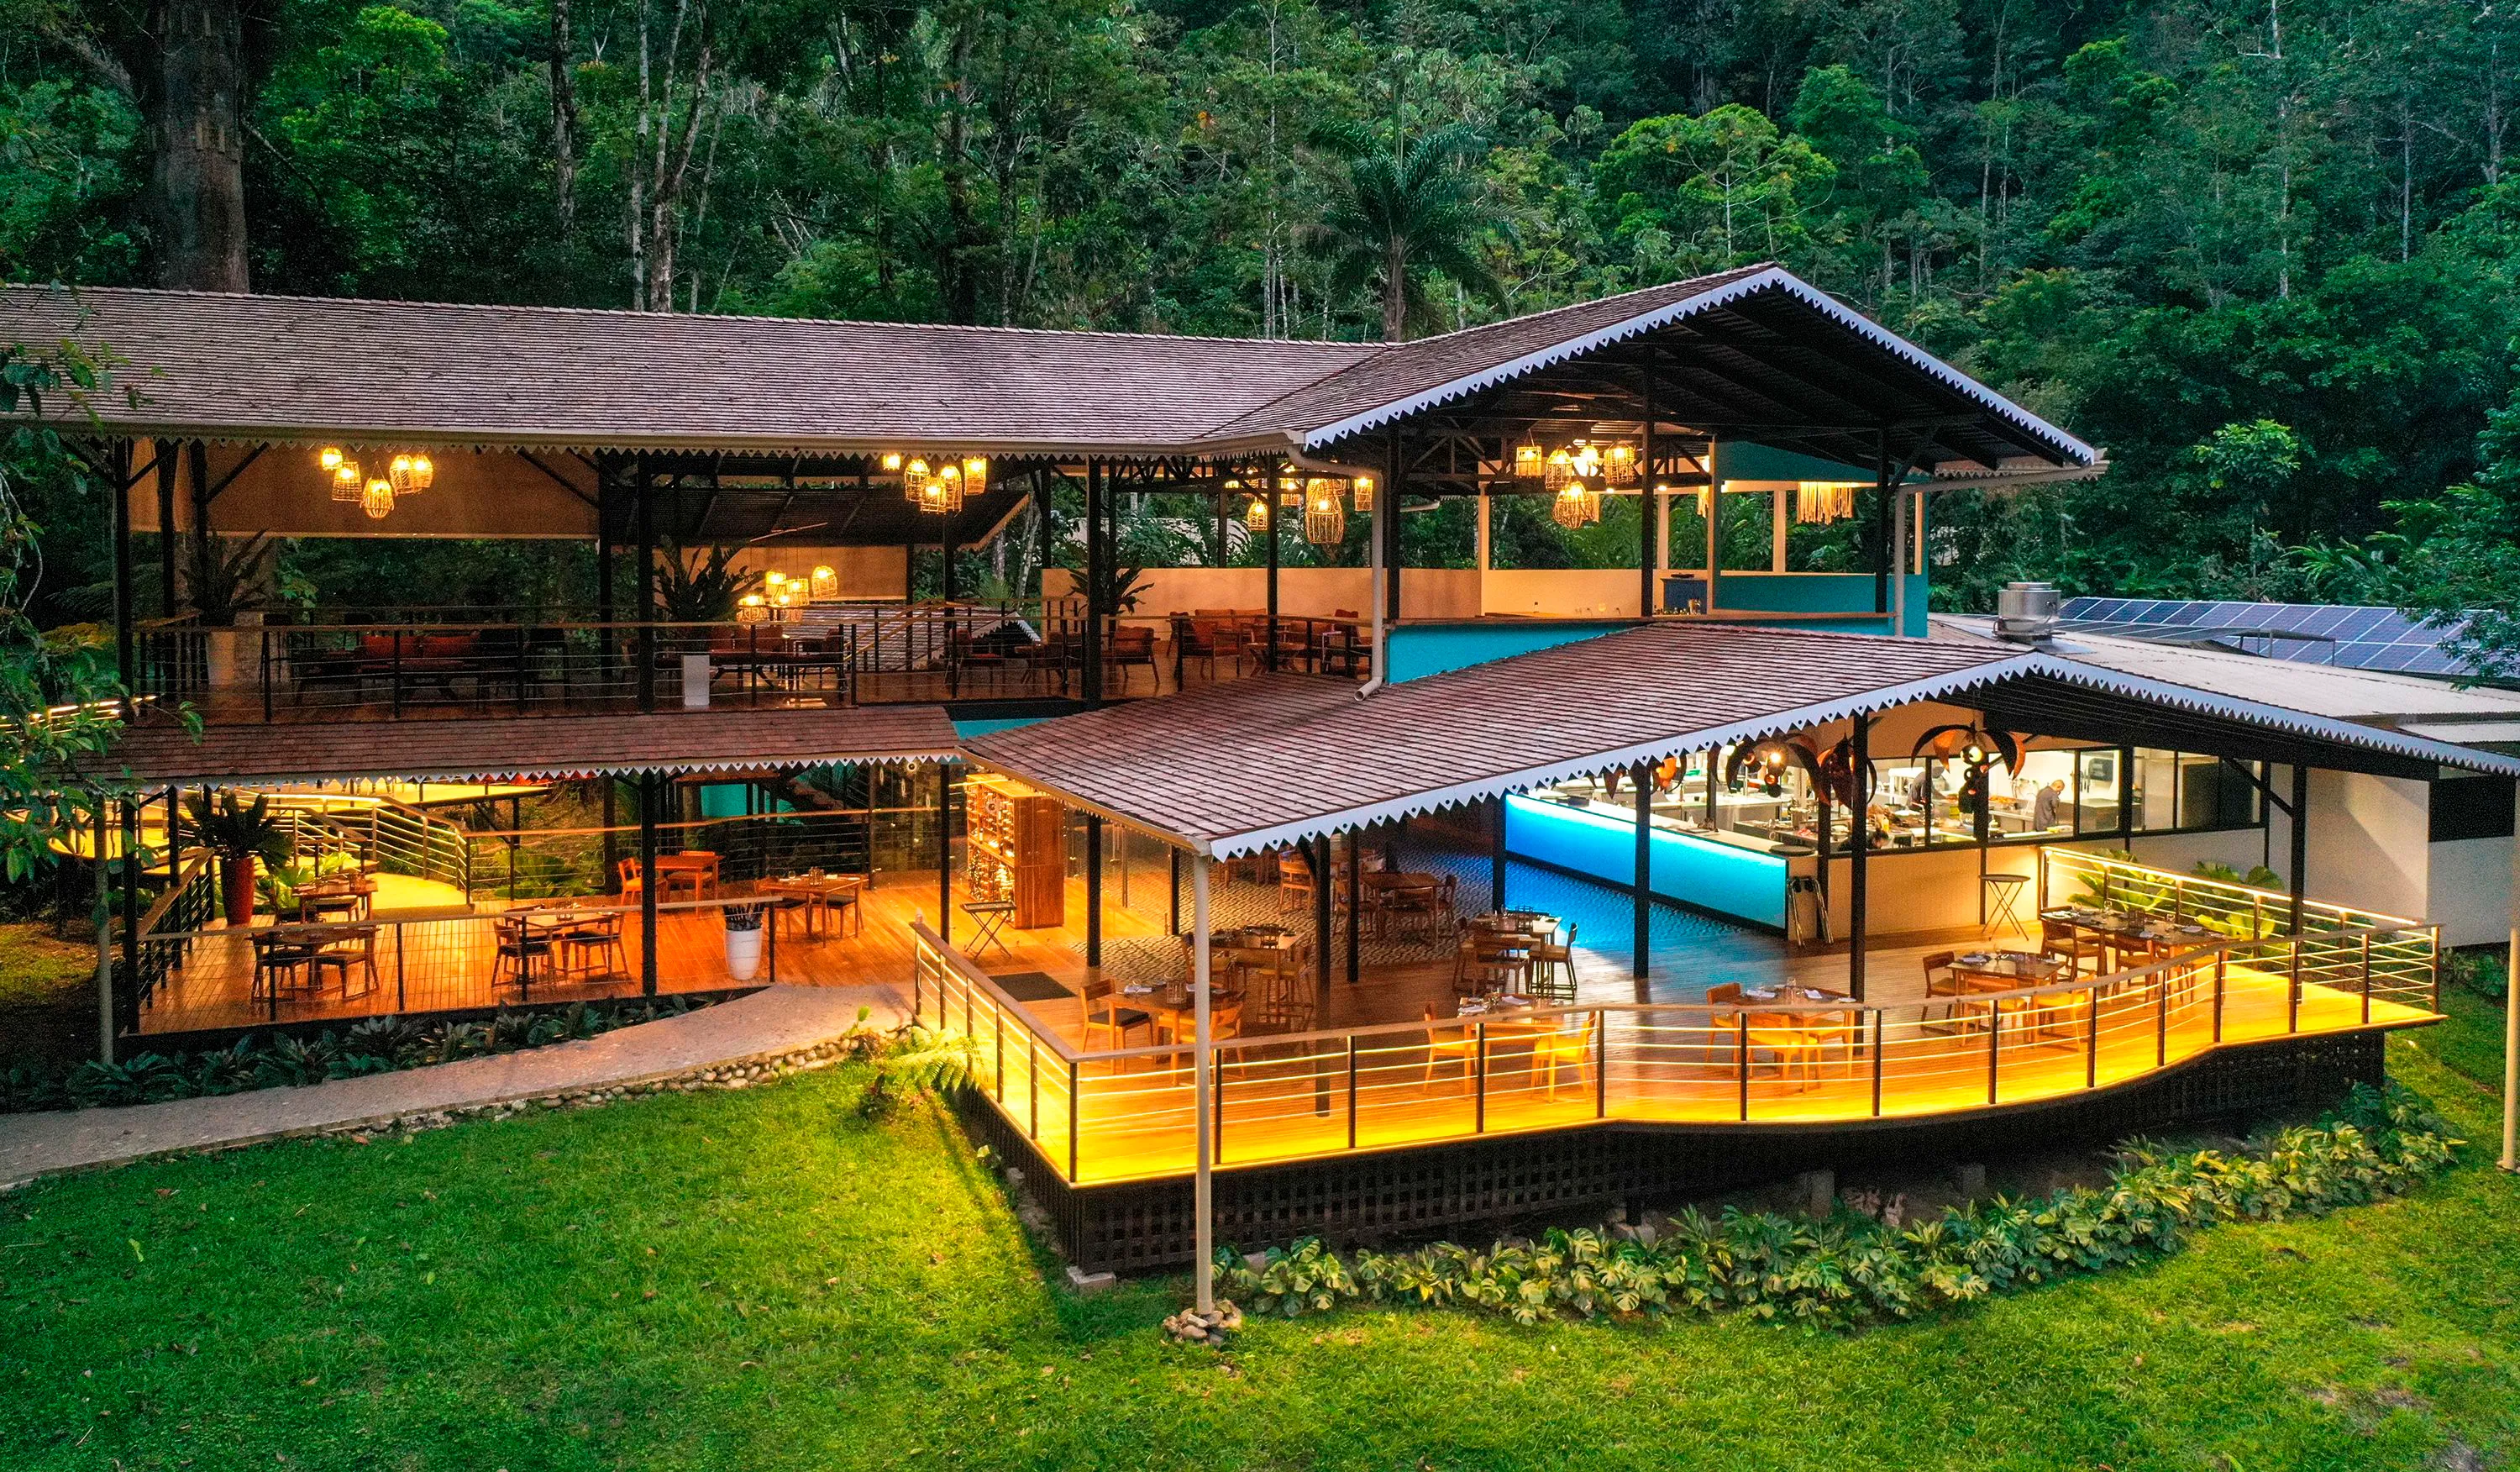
(1128, 1113)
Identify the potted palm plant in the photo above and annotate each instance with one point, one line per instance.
(223, 584)
(238, 833)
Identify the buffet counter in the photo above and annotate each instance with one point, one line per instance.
(1737, 874)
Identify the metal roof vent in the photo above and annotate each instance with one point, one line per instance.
(2026, 612)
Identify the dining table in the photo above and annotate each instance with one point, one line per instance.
(813, 897)
(1821, 1019)
(2129, 931)
(1174, 1006)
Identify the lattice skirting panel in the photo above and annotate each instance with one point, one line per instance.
(1403, 1195)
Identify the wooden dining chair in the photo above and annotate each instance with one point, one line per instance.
(1133, 646)
(521, 943)
(1102, 1009)
(1456, 1042)
(351, 947)
(633, 883)
(1566, 1045)
(1553, 967)
(1294, 882)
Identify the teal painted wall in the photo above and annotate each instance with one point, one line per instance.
(984, 727)
(1741, 460)
(1420, 649)
(1818, 593)
(1712, 876)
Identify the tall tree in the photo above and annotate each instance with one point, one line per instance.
(1404, 208)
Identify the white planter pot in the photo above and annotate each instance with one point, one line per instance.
(233, 657)
(744, 953)
(696, 681)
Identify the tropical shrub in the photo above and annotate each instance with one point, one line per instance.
(374, 1046)
(1850, 1269)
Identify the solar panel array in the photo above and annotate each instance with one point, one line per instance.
(2349, 636)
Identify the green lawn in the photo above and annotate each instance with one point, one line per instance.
(763, 1279)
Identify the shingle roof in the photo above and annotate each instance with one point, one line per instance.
(536, 747)
(1242, 767)
(294, 368)
(236, 366)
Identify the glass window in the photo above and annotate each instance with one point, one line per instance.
(2096, 780)
(2156, 790)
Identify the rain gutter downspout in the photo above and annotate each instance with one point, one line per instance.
(1388, 496)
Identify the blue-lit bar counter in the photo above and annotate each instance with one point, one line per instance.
(1736, 874)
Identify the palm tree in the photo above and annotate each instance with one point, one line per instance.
(1404, 208)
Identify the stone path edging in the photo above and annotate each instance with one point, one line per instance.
(731, 1045)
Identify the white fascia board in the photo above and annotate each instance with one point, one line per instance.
(1755, 728)
(1773, 278)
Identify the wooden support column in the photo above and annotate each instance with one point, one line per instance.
(1714, 530)
(128, 998)
(1386, 525)
(169, 465)
(2511, 1013)
(647, 883)
(611, 839)
(125, 655)
(1881, 520)
(1094, 586)
(1496, 852)
(1092, 889)
(645, 482)
(1355, 908)
(1270, 500)
(2297, 882)
(1319, 853)
(1858, 844)
(945, 550)
(101, 914)
(1203, 1077)
(2125, 799)
(1648, 554)
(1642, 778)
(945, 851)
(1172, 907)
(1044, 512)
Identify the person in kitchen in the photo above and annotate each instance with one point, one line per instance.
(2043, 807)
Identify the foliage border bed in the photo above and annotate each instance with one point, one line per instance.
(1851, 1268)
(278, 1060)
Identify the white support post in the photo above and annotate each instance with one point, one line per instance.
(1203, 1194)
(1780, 513)
(2511, 1019)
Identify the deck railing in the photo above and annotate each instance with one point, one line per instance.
(2071, 876)
(838, 652)
(1128, 1113)
(216, 976)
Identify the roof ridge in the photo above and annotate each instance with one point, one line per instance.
(1698, 282)
(75, 291)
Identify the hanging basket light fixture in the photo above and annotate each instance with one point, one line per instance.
(411, 473)
(1561, 470)
(824, 582)
(377, 501)
(1256, 515)
(1817, 503)
(1577, 506)
(1619, 463)
(1361, 493)
(1325, 519)
(1530, 462)
(346, 479)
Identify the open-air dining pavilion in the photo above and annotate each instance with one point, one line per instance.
(1353, 896)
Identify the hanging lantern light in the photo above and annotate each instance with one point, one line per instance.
(1256, 515)
(824, 583)
(1324, 520)
(378, 499)
(1529, 463)
(346, 481)
(1818, 503)
(423, 471)
(1363, 494)
(949, 480)
(1577, 506)
(1619, 464)
(1560, 469)
(1291, 491)
(975, 473)
(753, 609)
(891, 462)
(913, 483)
(399, 473)
(329, 458)
(1587, 461)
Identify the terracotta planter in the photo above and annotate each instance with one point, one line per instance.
(236, 891)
